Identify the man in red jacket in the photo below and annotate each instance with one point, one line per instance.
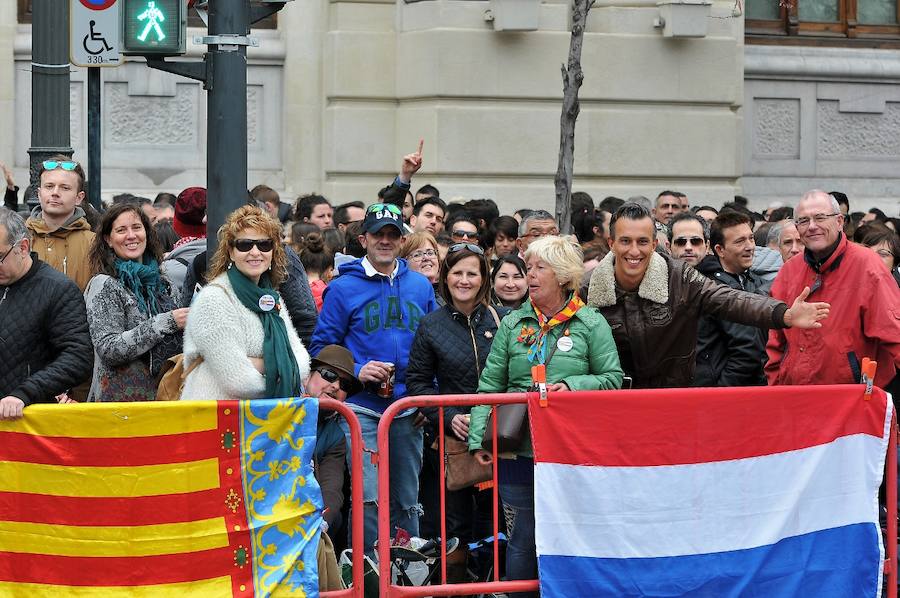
(865, 305)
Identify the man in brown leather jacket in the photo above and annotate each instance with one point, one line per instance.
(653, 304)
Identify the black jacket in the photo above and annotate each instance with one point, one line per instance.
(45, 346)
(729, 354)
(447, 356)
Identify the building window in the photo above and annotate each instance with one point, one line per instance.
(863, 20)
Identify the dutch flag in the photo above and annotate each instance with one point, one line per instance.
(763, 492)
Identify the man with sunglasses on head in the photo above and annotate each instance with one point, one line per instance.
(728, 353)
(61, 232)
(373, 309)
(865, 304)
(45, 346)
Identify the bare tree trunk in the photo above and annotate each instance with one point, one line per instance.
(572, 76)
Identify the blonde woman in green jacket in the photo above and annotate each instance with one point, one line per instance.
(574, 342)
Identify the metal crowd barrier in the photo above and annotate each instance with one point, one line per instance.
(356, 498)
(388, 590)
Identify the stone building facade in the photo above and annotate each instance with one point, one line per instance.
(341, 89)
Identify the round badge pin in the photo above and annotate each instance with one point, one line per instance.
(564, 344)
(267, 303)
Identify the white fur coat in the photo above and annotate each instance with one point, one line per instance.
(227, 334)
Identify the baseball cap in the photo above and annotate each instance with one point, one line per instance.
(379, 215)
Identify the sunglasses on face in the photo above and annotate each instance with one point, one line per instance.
(330, 376)
(465, 234)
(245, 245)
(460, 246)
(682, 241)
(378, 207)
(54, 164)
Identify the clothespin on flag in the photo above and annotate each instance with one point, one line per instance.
(868, 376)
(539, 380)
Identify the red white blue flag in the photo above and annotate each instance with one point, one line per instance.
(710, 492)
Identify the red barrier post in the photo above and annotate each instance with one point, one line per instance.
(356, 498)
(384, 519)
(443, 489)
(891, 499)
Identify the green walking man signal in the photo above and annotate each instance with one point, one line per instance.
(153, 27)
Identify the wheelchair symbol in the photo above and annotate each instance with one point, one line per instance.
(93, 36)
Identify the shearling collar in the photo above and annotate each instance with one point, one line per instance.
(654, 287)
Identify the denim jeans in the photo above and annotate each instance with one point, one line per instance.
(405, 461)
(521, 553)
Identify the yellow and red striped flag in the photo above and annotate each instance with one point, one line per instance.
(160, 499)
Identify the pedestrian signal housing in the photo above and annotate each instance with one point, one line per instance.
(153, 27)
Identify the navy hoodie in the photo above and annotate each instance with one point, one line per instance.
(375, 318)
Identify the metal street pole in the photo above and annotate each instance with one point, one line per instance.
(94, 137)
(226, 157)
(223, 72)
(49, 87)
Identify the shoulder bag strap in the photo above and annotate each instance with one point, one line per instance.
(494, 314)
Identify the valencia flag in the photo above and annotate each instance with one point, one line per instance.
(194, 498)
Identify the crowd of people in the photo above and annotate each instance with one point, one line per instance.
(409, 295)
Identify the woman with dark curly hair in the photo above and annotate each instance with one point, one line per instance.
(239, 325)
(132, 310)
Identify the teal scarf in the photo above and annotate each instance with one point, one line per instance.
(282, 372)
(142, 280)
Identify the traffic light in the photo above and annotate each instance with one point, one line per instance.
(153, 27)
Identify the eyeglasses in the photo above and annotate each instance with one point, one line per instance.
(417, 255)
(460, 246)
(464, 234)
(245, 245)
(330, 376)
(378, 207)
(537, 234)
(803, 223)
(8, 251)
(54, 164)
(694, 241)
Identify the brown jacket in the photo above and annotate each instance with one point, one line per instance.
(655, 328)
(66, 248)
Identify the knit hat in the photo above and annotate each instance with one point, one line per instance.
(190, 208)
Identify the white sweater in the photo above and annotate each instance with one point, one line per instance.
(227, 334)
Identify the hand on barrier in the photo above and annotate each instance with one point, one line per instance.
(11, 407)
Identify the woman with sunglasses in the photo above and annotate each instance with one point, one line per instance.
(131, 309)
(239, 325)
(574, 345)
(508, 285)
(448, 353)
(420, 250)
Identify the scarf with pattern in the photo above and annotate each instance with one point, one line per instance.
(537, 352)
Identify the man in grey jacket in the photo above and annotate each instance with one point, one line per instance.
(45, 347)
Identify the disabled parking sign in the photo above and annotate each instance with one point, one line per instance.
(94, 38)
